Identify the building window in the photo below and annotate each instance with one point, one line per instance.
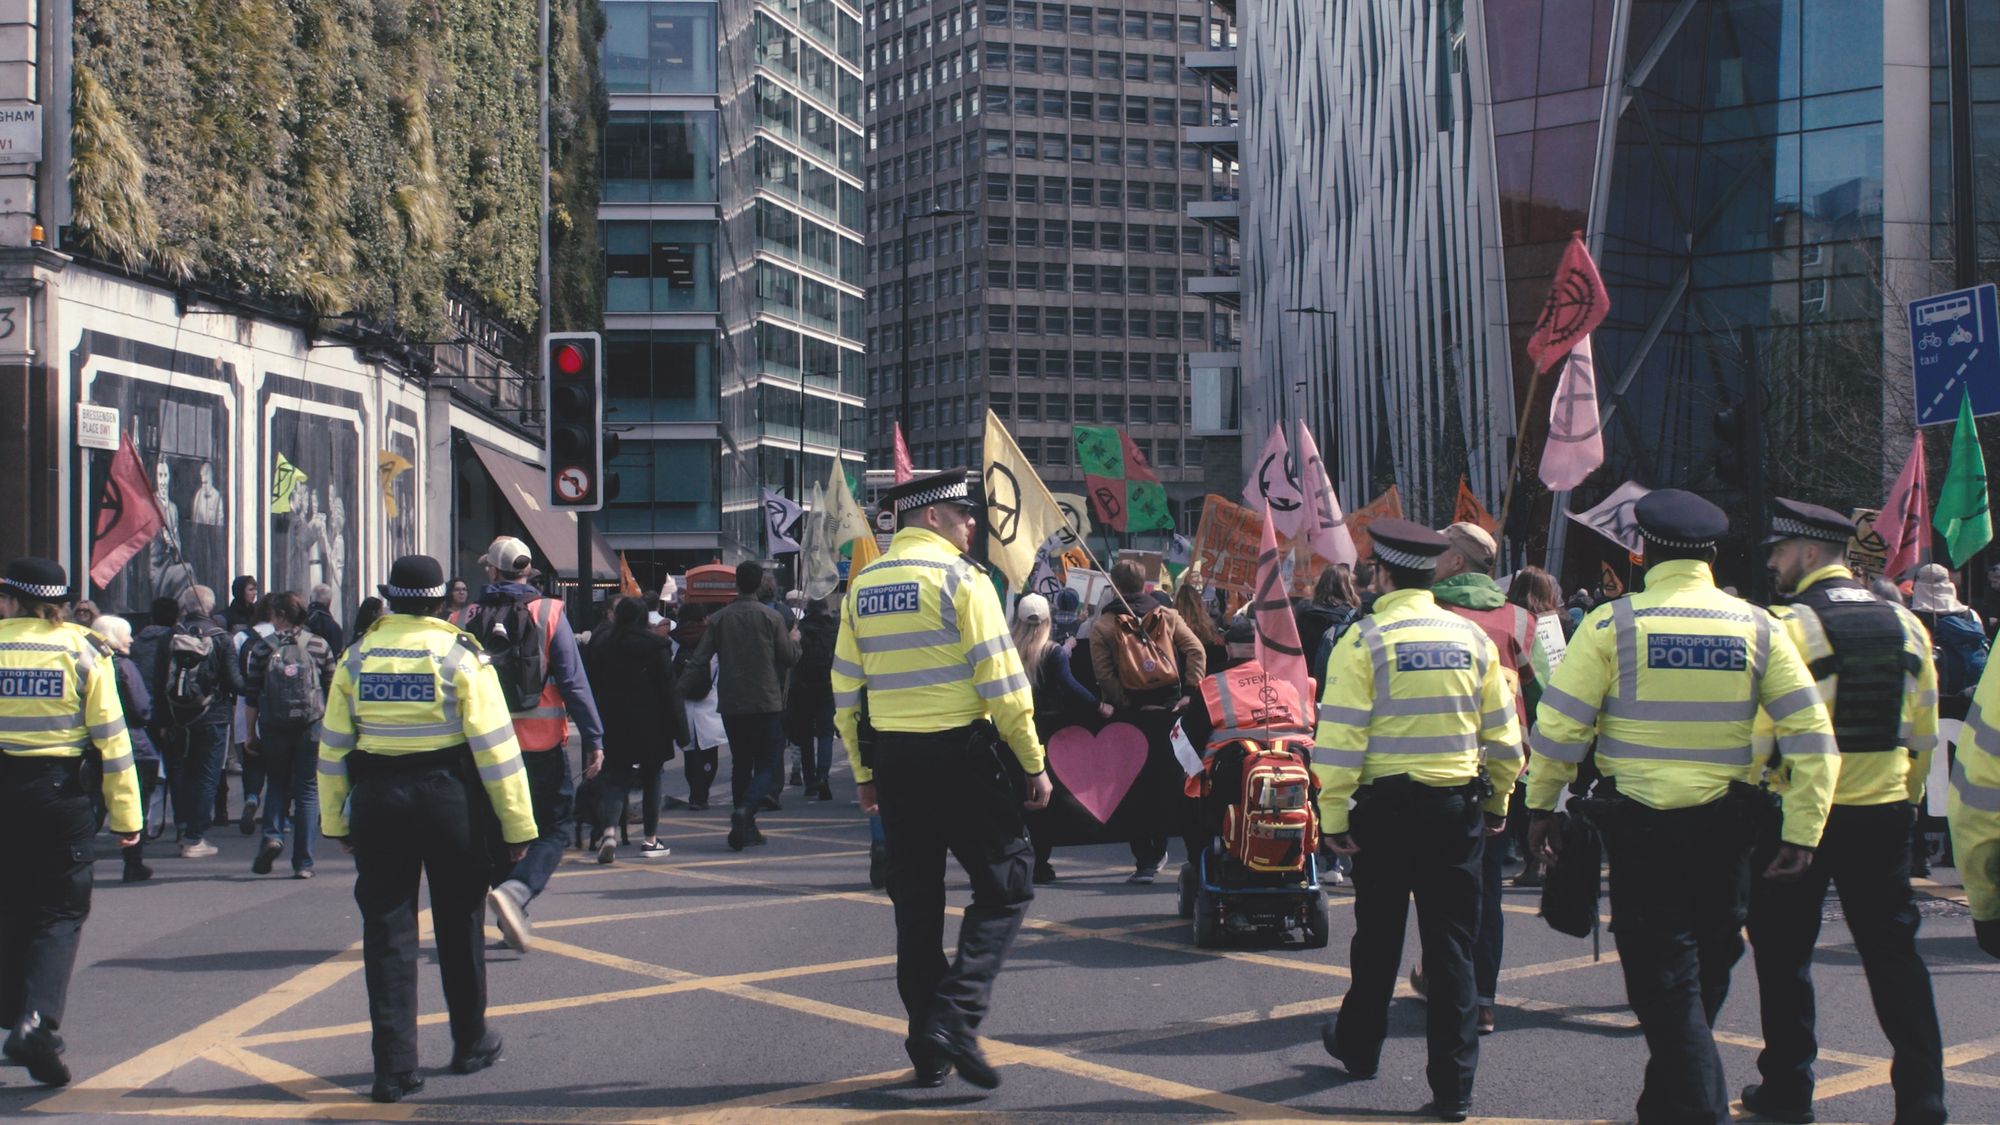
(659, 47)
(660, 376)
(666, 155)
(659, 267)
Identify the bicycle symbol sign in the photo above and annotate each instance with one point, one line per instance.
(1955, 351)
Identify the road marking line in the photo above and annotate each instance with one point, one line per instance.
(1877, 1073)
(300, 1084)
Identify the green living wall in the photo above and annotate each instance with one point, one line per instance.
(344, 154)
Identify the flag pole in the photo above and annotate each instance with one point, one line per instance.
(1520, 450)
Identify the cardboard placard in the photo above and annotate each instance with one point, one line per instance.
(1867, 551)
(1228, 541)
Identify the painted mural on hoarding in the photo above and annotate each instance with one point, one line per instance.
(175, 410)
(313, 542)
(397, 480)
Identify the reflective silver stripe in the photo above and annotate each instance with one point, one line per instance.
(903, 642)
(1224, 734)
(948, 597)
(499, 770)
(1502, 751)
(408, 730)
(1791, 703)
(1425, 706)
(1569, 706)
(1351, 716)
(1919, 743)
(1228, 704)
(997, 689)
(1609, 747)
(1571, 752)
(333, 767)
(1682, 710)
(491, 739)
(1371, 636)
(847, 668)
(987, 649)
(847, 699)
(1927, 699)
(1421, 744)
(1340, 759)
(111, 729)
(1626, 630)
(1985, 798)
(24, 724)
(338, 739)
(45, 751)
(1793, 745)
(1497, 717)
(922, 677)
(119, 764)
(448, 669)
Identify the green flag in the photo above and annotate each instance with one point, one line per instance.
(1963, 515)
(1125, 495)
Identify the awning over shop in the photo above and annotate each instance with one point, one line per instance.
(553, 532)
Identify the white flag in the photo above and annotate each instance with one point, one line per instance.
(1274, 482)
(1613, 518)
(849, 522)
(1327, 532)
(1076, 510)
(1047, 578)
(819, 562)
(779, 516)
(1576, 439)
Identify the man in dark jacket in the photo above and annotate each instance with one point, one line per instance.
(286, 745)
(755, 649)
(320, 618)
(203, 736)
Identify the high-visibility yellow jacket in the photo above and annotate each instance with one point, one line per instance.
(1414, 689)
(1974, 801)
(411, 685)
(58, 698)
(922, 632)
(1669, 681)
(1874, 778)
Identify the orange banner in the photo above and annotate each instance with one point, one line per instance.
(1389, 505)
(1470, 510)
(1226, 546)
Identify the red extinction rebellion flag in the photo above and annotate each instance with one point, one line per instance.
(127, 515)
(1124, 493)
(1576, 306)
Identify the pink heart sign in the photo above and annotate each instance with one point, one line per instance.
(1098, 769)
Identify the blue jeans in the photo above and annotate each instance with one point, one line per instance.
(290, 765)
(205, 750)
(756, 754)
(554, 797)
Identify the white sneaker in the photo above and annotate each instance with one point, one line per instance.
(653, 849)
(200, 849)
(512, 920)
(607, 849)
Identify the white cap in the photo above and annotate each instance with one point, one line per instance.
(1031, 607)
(510, 557)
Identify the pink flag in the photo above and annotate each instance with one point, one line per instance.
(1576, 305)
(1326, 528)
(1905, 520)
(1274, 485)
(1278, 647)
(1576, 441)
(904, 471)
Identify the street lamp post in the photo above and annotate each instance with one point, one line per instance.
(903, 251)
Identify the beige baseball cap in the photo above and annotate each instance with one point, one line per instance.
(1474, 543)
(510, 557)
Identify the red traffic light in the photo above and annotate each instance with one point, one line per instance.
(569, 359)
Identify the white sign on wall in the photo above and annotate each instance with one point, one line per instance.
(20, 134)
(96, 426)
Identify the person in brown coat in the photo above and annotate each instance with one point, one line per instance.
(1140, 706)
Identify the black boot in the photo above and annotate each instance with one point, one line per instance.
(738, 838)
(878, 865)
(136, 870)
(395, 1087)
(39, 1049)
(479, 1056)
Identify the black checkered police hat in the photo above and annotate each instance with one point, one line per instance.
(1791, 519)
(948, 487)
(414, 576)
(40, 579)
(1680, 520)
(1411, 546)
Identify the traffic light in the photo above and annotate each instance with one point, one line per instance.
(574, 376)
(1731, 451)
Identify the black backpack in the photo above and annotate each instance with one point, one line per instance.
(293, 695)
(191, 680)
(516, 645)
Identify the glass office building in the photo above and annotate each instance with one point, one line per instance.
(1759, 180)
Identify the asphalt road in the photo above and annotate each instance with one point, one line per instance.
(716, 986)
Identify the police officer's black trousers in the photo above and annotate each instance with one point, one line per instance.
(428, 818)
(46, 825)
(1425, 843)
(936, 797)
(1863, 856)
(1680, 883)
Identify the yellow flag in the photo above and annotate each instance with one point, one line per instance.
(1021, 514)
(627, 584)
(866, 551)
(389, 466)
(285, 479)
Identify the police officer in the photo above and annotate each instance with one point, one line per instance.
(415, 725)
(58, 699)
(1668, 682)
(923, 635)
(1418, 724)
(1872, 661)
(1974, 807)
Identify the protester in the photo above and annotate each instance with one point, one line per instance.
(707, 738)
(1187, 603)
(137, 704)
(83, 613)
(370, 610)
(320, 619)
(809, 706)
(240, 613)
(631, 677)
(250, 765)
(755, 648)
(1958, 641)
(1060, 700)
(198, 696)
(286, 675)
(149, 653)
(1538, 592)
(457, 601)
(1334, 605)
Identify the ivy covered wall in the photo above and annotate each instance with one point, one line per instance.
(347, 154)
